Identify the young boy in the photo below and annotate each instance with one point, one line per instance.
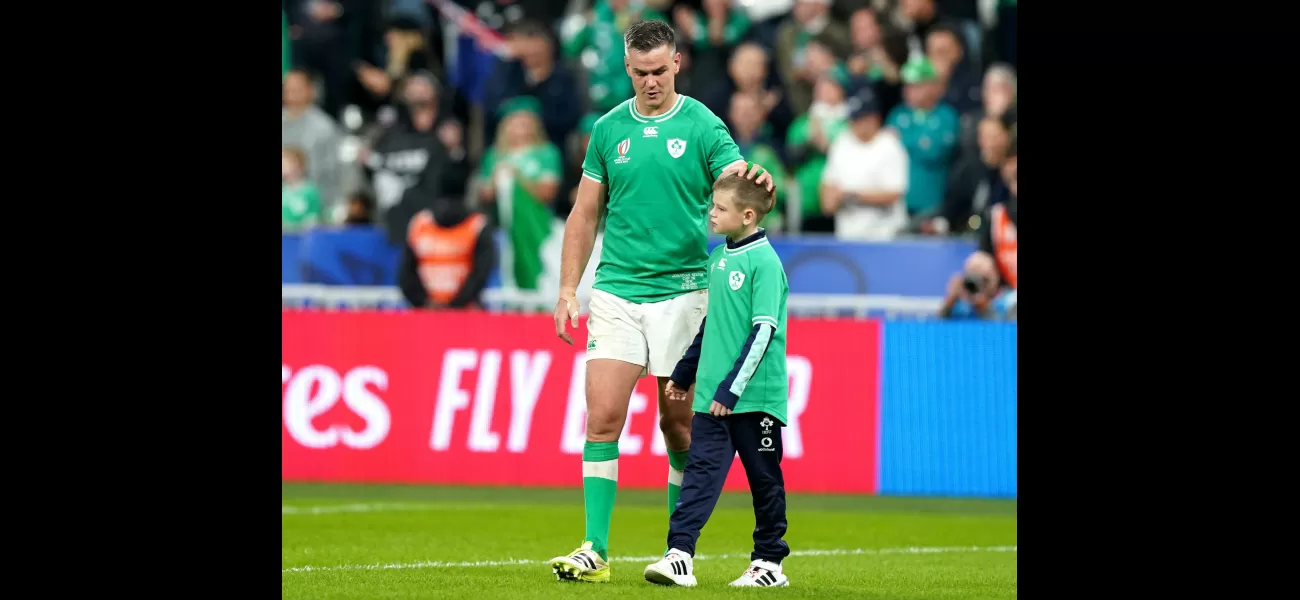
(740, 393)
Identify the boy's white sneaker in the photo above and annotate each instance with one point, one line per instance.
(675, 568)
(762, 573)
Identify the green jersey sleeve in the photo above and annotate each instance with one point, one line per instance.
(722, 149)
(593, 164)
(769, 293)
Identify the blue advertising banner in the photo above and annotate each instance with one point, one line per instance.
(360, 256)
(948, 409)
(814, 265)
(824, 265)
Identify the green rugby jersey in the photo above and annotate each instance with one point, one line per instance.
(738, 357)
(659, 172)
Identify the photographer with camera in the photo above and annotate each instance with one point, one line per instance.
(986, 287)
(975, 293)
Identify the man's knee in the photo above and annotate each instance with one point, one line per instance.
(604, 425)
(609, 389)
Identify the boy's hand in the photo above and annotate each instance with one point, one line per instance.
(674, 392)
(718, 410)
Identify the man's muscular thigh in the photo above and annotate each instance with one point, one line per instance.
(675, 418)
(609, 390)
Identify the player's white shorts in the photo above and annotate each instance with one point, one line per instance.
(654, 335)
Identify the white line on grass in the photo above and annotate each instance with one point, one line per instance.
(330, 509)
(434, 564)
(356, 508)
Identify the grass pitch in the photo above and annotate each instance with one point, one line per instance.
(449, 542)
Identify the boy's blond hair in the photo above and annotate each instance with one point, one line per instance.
(747, 194)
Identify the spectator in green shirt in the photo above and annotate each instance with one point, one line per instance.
(521, 174)
(928, 129)
(300, 204)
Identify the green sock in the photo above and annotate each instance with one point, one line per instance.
(676, 470)
(599, 486)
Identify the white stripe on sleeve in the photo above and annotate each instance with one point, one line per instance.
(750, 365)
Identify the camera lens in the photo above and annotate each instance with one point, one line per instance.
(972, 283)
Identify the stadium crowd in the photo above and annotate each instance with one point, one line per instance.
(878, 118)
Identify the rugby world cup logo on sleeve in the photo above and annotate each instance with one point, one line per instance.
(623, 147)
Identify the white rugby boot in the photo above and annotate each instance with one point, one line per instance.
(762, 573)
(675, 568)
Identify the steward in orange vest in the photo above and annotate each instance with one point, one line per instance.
(448, 256)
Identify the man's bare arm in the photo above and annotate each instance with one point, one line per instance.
(580, 234)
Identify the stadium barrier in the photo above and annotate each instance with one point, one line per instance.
(511, 300)
(918, 408)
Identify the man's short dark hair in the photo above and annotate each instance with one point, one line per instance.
(644, 36)
(747, 194)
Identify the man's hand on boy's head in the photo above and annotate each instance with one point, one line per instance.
(749, 170)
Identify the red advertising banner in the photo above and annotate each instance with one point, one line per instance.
(492, 399)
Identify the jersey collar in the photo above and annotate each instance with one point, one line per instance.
(758, 235)
(677, 106)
